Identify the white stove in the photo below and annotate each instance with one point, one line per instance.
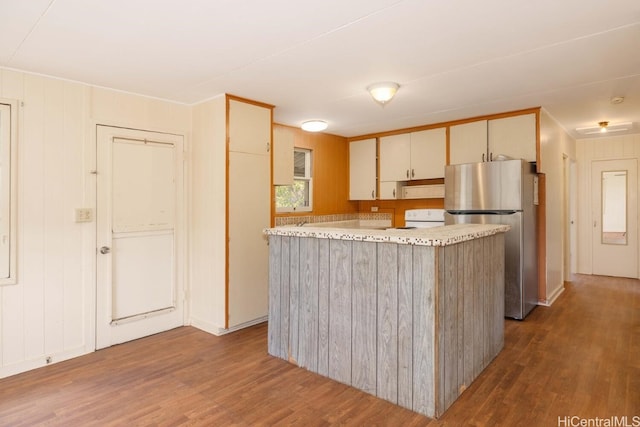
(423, 218)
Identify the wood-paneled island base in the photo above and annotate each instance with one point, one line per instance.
(410, 316)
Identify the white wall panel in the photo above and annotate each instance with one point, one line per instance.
(75, 109)
(49, 312)
(554, 144)
(125, 109)
(30, 216)
(54, 221)
(207, 216)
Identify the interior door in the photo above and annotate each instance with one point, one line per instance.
(615, 217)
(139, 234)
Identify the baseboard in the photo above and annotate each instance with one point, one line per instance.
(205, 326)
(218, 330)
(42, 361)
(554, 296)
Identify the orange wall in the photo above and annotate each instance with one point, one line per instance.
(330, 172)
(331, 180)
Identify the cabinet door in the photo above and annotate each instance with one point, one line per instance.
(390, 190)
(428, 153)
(468, 142)
(362, 169)
(247, 132)
(395, 156)
(249, 211)
(514, 137)
(282, 156)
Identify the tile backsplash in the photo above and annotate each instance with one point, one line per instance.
(310, 219)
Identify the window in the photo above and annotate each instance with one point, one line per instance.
(298, 196)
(8, 126)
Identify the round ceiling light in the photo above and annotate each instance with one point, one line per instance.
(383, 92)
(314, 125)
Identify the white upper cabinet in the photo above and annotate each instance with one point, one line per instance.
(362, 169)
(468, 142)
(395, 157)
(250, 136)
(415, 155)
(428, 153)
(483, 140)
(514, 137)
(282, 155)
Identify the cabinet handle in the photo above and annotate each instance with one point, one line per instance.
(373, 194)
(268, 146)
(491, 157)
(407, 173)
(413, 173)
(483, 157)
(394, 193)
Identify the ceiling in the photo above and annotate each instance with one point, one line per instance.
(453, 59)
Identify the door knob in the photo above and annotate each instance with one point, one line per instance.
(105, 250)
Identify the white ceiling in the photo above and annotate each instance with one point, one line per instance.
(313, 59)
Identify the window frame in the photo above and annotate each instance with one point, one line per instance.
(11, 187)
(308, 178)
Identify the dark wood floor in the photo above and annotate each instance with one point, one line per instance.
(580, 357)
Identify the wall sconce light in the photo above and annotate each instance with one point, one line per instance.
(314, 125)
(383, 92)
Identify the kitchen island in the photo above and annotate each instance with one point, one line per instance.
(410, 316)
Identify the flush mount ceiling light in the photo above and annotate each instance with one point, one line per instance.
(605, 127)
(383, 92)
(314, 125)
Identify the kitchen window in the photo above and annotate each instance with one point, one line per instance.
(298, 196)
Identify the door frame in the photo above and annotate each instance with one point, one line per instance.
(90, 239)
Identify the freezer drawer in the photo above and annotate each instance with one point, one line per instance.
(521, 272)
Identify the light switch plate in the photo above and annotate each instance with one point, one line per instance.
(84, 214)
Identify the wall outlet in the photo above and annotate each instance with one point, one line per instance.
(374, 209)
(84, 214)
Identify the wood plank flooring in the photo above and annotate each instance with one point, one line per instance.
(580, 357)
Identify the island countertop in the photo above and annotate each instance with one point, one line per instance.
(435, 236)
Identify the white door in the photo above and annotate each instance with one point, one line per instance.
(615, 217)
(139, 234)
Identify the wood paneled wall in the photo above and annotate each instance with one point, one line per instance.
(50, 312)
(330, 171)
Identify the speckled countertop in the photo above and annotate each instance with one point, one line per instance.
(436, 236)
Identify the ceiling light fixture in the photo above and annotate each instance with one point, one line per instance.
(605, 127)
(383, 92)
(314, 125)
(617, 100)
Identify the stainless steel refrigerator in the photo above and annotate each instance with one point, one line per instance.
(501, 192)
